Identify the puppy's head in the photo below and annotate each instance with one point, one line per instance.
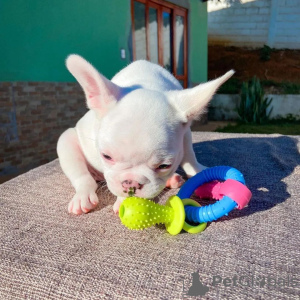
(140, 138)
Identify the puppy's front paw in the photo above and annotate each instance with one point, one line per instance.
(117, 205)
(83, 202)
(176, 181)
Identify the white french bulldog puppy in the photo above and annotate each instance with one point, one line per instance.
(135, 135)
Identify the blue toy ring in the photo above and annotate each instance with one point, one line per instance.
(217, 210)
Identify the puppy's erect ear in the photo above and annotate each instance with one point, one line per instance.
(100, 92)
(191, 102)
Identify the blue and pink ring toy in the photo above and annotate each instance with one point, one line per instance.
(231, 193)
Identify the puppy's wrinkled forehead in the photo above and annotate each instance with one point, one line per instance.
(141, 122)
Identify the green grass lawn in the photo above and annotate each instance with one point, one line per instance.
(281, 127)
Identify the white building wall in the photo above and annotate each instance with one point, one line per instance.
(254, 23)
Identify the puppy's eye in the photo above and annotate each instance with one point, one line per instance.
(164, 167)
(106, 156)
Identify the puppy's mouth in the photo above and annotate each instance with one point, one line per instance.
(145, 190)
(133, 191)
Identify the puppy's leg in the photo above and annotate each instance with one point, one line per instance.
(74, 165)
(117, 204)
(189, 162)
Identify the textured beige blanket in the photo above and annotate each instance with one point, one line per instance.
(45, 253)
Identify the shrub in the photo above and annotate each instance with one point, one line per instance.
(265, 53)
(253, 105)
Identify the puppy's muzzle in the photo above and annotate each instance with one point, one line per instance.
(129, 184)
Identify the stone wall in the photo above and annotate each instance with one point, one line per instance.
(32, 116)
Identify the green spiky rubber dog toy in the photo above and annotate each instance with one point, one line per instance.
(139, 213)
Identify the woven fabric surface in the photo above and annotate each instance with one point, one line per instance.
(254, 253)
